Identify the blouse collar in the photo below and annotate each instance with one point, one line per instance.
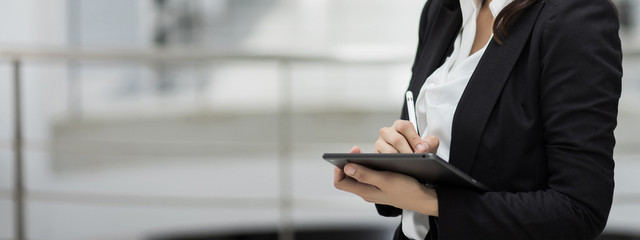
(471, 7)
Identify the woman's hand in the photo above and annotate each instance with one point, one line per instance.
(403, 138)
(387, 188)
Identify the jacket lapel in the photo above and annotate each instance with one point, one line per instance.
(484, 88)
(441, 33)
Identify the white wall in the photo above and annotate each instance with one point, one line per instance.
(58, 207)
(70, 205)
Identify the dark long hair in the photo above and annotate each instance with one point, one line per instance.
(507, 16)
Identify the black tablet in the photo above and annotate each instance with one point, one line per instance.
(427, 168)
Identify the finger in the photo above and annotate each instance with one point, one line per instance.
(432, 143)
(411, 135)
(353, 186)
(365, 175)
(338, 175)
(383, 147)
(355, 149)
(396, 140)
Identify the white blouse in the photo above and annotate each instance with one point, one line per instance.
(440, 94)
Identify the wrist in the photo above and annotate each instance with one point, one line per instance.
(427, 202)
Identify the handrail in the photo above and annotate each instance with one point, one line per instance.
(284, 59)
(187, 54)
(630, 48)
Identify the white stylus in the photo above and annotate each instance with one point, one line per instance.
(411, 108)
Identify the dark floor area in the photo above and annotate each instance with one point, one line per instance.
(612, 236)
(364, 233)
(368, 233)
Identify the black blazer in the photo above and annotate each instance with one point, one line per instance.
(535, 123)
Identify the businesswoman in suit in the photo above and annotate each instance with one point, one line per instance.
(522, 95)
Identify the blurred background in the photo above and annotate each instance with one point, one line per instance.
(207, 119)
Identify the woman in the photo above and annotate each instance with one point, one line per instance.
(522, 95)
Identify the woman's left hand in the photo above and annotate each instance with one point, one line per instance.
(386, 188)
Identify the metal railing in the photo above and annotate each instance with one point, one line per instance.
(284, 62)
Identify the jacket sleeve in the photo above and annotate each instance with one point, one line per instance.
(580, 87)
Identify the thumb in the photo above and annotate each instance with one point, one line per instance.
(432, 143)
(355, 149)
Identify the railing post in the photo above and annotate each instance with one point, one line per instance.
(18, 184)
(285, 119)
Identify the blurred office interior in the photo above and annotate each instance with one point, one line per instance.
(207, 119)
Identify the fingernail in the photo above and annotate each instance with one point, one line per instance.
(349, 170)
(420, 148)
(426, 147)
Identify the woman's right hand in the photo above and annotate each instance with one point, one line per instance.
(402, 137)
